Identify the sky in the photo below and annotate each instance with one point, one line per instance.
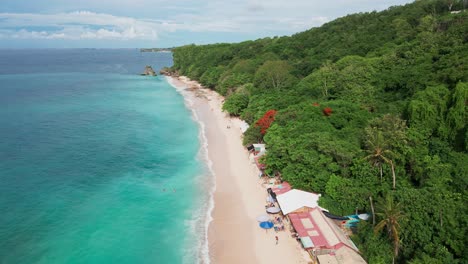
(162, 23)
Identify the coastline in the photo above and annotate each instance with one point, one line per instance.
(233, 234)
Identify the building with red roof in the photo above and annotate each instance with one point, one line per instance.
(323, 239)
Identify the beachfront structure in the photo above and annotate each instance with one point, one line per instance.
(259, 150)
(274, 189)
(295, 201)
(281, 188)
(323, 239)
(320, 237)
(343, 255)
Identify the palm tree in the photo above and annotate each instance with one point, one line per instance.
(372, 208)
(391, 216)
(379, 151)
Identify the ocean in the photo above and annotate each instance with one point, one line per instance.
(97, 163)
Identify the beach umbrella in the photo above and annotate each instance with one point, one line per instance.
(263, 218)
(273, 210)
(266, 225)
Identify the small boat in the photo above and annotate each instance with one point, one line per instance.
(335, 217)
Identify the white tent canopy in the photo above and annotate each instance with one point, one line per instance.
(296, 199)
(243, 126)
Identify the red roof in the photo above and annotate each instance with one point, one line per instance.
(281, 188)
(319, 240)
(323, 233)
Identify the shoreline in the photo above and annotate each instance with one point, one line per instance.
(203, 248)
(233, 234)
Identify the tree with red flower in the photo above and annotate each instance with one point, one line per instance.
(265, 122)
(327, 111)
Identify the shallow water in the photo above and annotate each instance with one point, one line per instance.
(97, 164)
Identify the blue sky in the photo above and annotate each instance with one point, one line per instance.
(162, 23)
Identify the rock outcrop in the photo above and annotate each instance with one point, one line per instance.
(149, 71)
(169, 72)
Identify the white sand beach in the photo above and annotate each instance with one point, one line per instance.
(234, 235)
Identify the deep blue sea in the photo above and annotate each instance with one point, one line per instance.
(97, 163)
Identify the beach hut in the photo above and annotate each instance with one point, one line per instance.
(323, 239)
(259, 150)
(297, 201)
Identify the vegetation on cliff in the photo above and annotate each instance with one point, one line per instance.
(368, 108)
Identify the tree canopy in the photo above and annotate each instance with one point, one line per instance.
(368, 107)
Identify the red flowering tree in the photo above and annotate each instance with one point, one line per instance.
(265, 122)
(327, 111)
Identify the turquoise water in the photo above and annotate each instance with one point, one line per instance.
(98, 167)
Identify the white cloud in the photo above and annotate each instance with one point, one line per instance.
(75, 25)
(253, 17)
(89, 25)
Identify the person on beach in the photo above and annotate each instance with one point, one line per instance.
(276, 237)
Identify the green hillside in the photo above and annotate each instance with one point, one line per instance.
(369, 107)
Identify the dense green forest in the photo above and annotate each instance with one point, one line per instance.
(370, 111)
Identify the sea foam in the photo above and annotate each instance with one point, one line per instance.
(201, 222)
